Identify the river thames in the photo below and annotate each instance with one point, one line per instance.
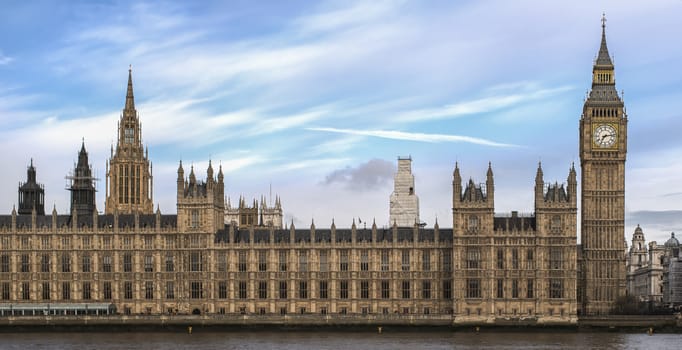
(339, 340)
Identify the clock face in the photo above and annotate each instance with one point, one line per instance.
(605, 136)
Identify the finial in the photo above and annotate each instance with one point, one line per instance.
(603, 20)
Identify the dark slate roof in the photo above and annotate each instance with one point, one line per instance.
(324, 235)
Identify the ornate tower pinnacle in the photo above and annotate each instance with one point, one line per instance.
(31, 194)
(129, 172)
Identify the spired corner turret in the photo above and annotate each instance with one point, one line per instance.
(129, 180)
(31, 194)
(82, 186)
(404, 203)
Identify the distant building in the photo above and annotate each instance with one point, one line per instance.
(645, 269)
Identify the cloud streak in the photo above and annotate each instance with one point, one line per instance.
(415, 136)
(482, 105)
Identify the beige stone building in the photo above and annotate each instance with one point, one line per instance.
(515, 267)
(212, 259)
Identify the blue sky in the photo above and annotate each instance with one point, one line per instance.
(317, 100)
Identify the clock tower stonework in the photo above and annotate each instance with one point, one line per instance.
(603, 147)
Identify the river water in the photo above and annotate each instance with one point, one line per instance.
(339, 340)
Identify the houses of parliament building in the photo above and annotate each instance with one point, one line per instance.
(215, 259)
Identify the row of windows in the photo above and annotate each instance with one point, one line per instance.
(197, 290)
(195, 263)
(323, 292)
(473, 259)
(343, 263)
(52, 241)
(555, 288)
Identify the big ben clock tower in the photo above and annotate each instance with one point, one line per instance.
(603, 146)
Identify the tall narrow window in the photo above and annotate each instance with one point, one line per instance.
(86, 291)
(262, 289)
(426, 260)
(324, 261)
(242, 261)
(405, 260)
(324, 290)
(555, 259)
(529, 289)
(262, 260)
(46, 290)
(447, 260)
(196, 290)
(170, 290)
(195, 261)
(500, 258)
(25, 291)
(4, 263)
(364, 260)
(148, 263)
(303, 289)
(303, 261)
(66, 290)
(364, 289)
(515, 259)
(5, 291)
(473, 288)
(45, 263)
(283, 257)
(343, 289)
(283, 289)
(149, 290)
(127, 290)
(106, 290)
(127, 262)
(406, 289)
(385, 263)
(500, 289)
(25, 263)
(222, 290)
(426, 289)
(343, 260)
(242, 290)
(385, 289)
(85, 263)
(170, 263)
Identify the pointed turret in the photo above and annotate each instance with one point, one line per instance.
(82, 186)
(603, 58)
(209, 172)
(130, 98)
(539, 184)
(456, 186)
(31, 194)
(490, 184)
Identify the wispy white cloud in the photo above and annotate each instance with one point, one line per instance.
(5, 59)
(482, 105)
(343, 17)
(415, 136)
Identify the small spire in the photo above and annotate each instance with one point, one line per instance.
(130, 99)
(603, 58)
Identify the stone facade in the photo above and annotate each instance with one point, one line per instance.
(603, 146)
(404, 203)
(515, 267)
